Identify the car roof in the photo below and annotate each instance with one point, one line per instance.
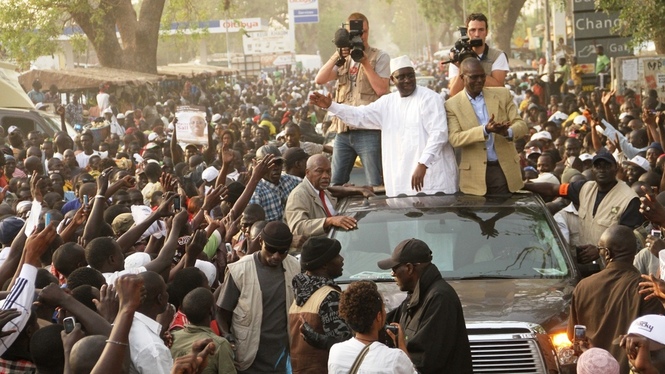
(357, 204)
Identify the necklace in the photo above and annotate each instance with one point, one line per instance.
(370, 341)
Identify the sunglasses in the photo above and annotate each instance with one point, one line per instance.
(281, 251)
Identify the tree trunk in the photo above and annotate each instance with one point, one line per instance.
(505, 24)
(139, 39)
(659, 41)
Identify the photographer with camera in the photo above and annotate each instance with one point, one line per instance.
(494, 61)
(362, 73)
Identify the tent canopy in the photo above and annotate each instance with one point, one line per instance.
(195, 71)
(13, 95)
(86, 78)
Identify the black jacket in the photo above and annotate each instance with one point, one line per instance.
(433, 323)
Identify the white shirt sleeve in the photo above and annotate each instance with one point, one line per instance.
(628, 149)
(20, 298)
(501, 63)
(436, 126)
(365, 116)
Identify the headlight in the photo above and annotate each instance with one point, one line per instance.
(564, 348)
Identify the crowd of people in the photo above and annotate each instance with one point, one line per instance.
(139, 253)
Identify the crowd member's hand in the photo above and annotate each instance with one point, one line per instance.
(130, 291)
(36, 184)
(188, 364)
(587, 253)
(165, 208)
(68, 340)
(615, 142)
(399, 340)
(128, 181)
(60, 110)
(228, 156)
(81, 240)
(323, 102)
(655, 244)
(262, 167)
(51, 295)
(168, 182)
(196, 243)
(607, 96)
(345, 222)
(651, 208)
(639, 355)
(103, 181)
(7, 315)
(107, 305)
(649, 117)
(180, 219)
(204, 348)
(214, 197)
(651, 287)
(38, 243)
(165, 318)
(660, 119)
(80, 216)
(418, 177)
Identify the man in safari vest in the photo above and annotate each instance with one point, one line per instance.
(494, 61)
(358, 83)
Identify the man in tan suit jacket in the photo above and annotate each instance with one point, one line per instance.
(489, 163)
(305, 212)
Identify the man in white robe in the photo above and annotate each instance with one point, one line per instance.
(414, 136)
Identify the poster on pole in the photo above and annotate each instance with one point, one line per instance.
(192, 126)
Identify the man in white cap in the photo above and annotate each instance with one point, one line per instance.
(634, 168)
(358, 83)
(414, 133)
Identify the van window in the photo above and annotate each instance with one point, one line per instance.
(24, 124)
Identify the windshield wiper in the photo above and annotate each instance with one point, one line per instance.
(483, 276)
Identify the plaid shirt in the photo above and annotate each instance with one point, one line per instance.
(272, 198)
(17, 367)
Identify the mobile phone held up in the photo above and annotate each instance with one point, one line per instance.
(69, 324)
(176, 204)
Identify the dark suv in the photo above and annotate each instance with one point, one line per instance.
(504, 256)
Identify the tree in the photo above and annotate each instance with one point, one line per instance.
(642, 20)
(30, 28)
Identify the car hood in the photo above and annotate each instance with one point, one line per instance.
(542, 301)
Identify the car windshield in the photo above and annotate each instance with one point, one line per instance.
(466, 242)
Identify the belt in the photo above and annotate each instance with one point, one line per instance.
(492, 163)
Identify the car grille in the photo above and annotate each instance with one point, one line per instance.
(508, 351)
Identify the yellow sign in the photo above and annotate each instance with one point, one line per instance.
(519, 42)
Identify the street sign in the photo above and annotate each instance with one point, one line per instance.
(306, 15)
(235, 25)
(268, 42)
(599, 24)
(583, 5)
(304, 11)
(616, 46)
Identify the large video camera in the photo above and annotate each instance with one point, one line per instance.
(463, 47)
(350, 39)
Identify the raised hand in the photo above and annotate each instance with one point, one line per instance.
(164, 209)
(36, 184)
(196, 243)
(103, 181)
(607, 96)
(38, 243)
(651, 287)
(107, 305)
(321, 101)
(130, 291)
(214, 197)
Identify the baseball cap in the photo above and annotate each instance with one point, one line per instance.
(120, 116)
(294, 154)
(152, 136)
(9, 228)
(11, 129)
(39, 106)
(122, 223)
(638, 161)
(558, 116)
(604, 156)
(265, 150)
(581, 119)
(585, 157)
(532, 106)
(541, 135)
(107, 110)
(210, 174)
(651, 326)
(216, 117)
(407, 251)
(533, 151)
(127, 113)
(656, 145)
(624, 115)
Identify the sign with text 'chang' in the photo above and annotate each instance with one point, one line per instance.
(599, 24)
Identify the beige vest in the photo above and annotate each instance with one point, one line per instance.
(248, 313)
(361, 94)
(306, 359)
(489, 57)
(608, 213)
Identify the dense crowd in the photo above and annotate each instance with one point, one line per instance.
(136, 252)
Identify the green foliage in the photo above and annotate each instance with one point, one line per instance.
(641, 19)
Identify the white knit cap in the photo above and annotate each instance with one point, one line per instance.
(399, 63)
